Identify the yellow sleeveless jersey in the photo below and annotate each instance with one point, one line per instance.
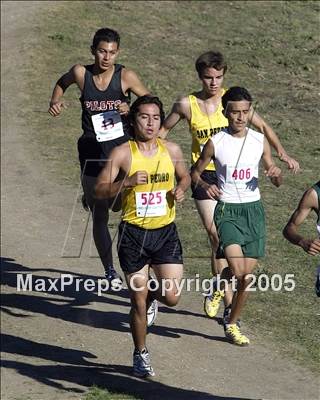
(150, 206)
(203, 127)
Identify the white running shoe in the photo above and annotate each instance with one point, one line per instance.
(152, 313)
(141, 364)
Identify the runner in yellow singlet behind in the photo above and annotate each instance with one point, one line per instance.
(203, 111)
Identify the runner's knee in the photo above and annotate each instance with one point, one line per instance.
(139, 303)
(171, 299)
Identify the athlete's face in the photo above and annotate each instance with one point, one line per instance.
(212, 80)
(105, 54)
(238, 113)
(147, 122)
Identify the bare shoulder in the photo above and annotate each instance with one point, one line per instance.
(127, 72)
(183, 99)
(119, 159)
(128, 75)
(78, 70)
(308, 202)
(131, 81)
(184, 103)
(181, 107)
(310, 199)
(121, 151)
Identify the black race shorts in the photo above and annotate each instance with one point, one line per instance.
(138, 247)
(210, 177)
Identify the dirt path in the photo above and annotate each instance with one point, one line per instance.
(56, 344)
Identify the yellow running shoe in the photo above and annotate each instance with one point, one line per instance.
(235, 336)
(211, 303)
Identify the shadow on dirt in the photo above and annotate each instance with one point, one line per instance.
(65, 304)
(73, 367)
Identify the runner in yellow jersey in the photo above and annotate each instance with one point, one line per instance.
(147, 168)
(203, 111)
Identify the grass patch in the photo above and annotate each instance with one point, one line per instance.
(96, 393)
(272, 48)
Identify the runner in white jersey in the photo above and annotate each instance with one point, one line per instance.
(239, 215)
(309, 201)
(237, 163)
(202, 109)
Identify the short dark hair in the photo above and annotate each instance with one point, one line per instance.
(235, 93)
(210, 59)
(105, 35)
(146, 99)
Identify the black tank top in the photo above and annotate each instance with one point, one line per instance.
(94, 101)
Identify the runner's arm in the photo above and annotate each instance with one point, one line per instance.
(307, 203)
(181, 171)
(260, 124)
(132, 83)
(108, 185)
(271, 170)
(74, 75)
(179, 111)
(206, 156)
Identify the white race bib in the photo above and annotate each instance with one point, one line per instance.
(241, 174)
(107, 126)
(151, 204)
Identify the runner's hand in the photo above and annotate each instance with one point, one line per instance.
(273, 172)
(123, 109)
(138, 178)
(56, 108)
(178, 194)
(310, 246)
(213, 192)
(293, 165)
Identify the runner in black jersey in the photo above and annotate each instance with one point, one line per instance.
(105, 97)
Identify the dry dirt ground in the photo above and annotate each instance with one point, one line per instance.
(57, 344)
